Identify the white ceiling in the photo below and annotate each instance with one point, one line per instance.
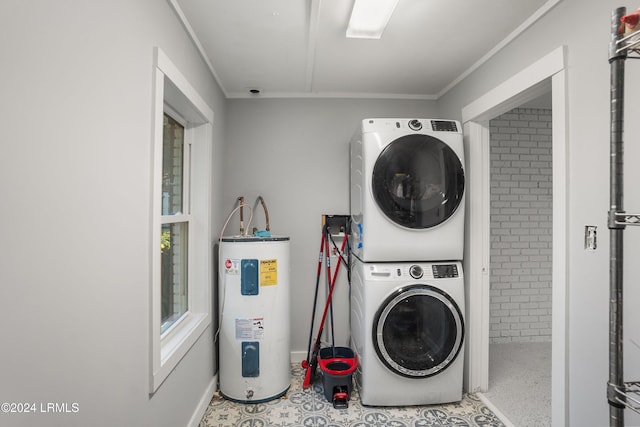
(298, 48)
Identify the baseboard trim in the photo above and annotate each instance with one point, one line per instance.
(298, 356)
(204, 402)
(495, 410)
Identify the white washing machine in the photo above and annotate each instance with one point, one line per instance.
(407, 329)
(407, 190)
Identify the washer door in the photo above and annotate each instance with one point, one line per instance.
(418, 181)
(418, 331)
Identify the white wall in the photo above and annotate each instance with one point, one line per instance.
(521, 232)
(295, 153)
(76, 85)
(584, 27)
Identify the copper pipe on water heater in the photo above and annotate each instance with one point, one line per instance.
(266, 213)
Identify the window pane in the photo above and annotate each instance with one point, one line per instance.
(172, 166)
(173, 249)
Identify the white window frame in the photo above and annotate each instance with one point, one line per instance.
(175, 95)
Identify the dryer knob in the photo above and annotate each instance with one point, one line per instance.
(415, 124)
(416, 271)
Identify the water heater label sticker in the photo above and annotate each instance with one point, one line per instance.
(268, 272)
(232, 266)
(250, 329)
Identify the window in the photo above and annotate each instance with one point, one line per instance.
(181, 268)
(174, 233)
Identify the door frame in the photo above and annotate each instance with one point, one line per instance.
(547, 73)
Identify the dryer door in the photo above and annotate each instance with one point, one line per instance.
(418, 181)
(418, 331)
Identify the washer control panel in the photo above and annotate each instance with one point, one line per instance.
(444, 271)
(408, 271)
(416, 271)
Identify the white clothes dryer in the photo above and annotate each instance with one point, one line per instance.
(408, 329)
(407, 190)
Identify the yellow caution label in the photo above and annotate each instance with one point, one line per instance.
(268, 272)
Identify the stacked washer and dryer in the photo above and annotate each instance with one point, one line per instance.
(407, 238)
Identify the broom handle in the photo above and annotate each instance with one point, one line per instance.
(311, 363)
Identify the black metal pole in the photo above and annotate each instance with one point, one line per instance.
(616, 382)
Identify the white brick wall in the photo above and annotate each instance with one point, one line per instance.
(521, 226)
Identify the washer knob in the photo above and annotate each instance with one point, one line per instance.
(416, 271)
(415, 124)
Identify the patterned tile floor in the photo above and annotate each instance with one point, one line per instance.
(309, 408)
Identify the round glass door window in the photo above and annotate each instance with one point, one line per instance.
(418, 331)
(418, 181)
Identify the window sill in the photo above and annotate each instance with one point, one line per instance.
(176, 342)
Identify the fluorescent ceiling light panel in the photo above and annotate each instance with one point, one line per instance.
(369, 18)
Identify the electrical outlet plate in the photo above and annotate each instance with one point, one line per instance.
(590, 238)
(337, 223)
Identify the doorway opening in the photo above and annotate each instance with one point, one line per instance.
(521, 215)
(544, 76)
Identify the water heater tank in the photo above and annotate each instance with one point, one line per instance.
(254, 338)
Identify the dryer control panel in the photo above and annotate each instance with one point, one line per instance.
(419, 125)
(415, 124)
(444, 125)
(445, 271)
